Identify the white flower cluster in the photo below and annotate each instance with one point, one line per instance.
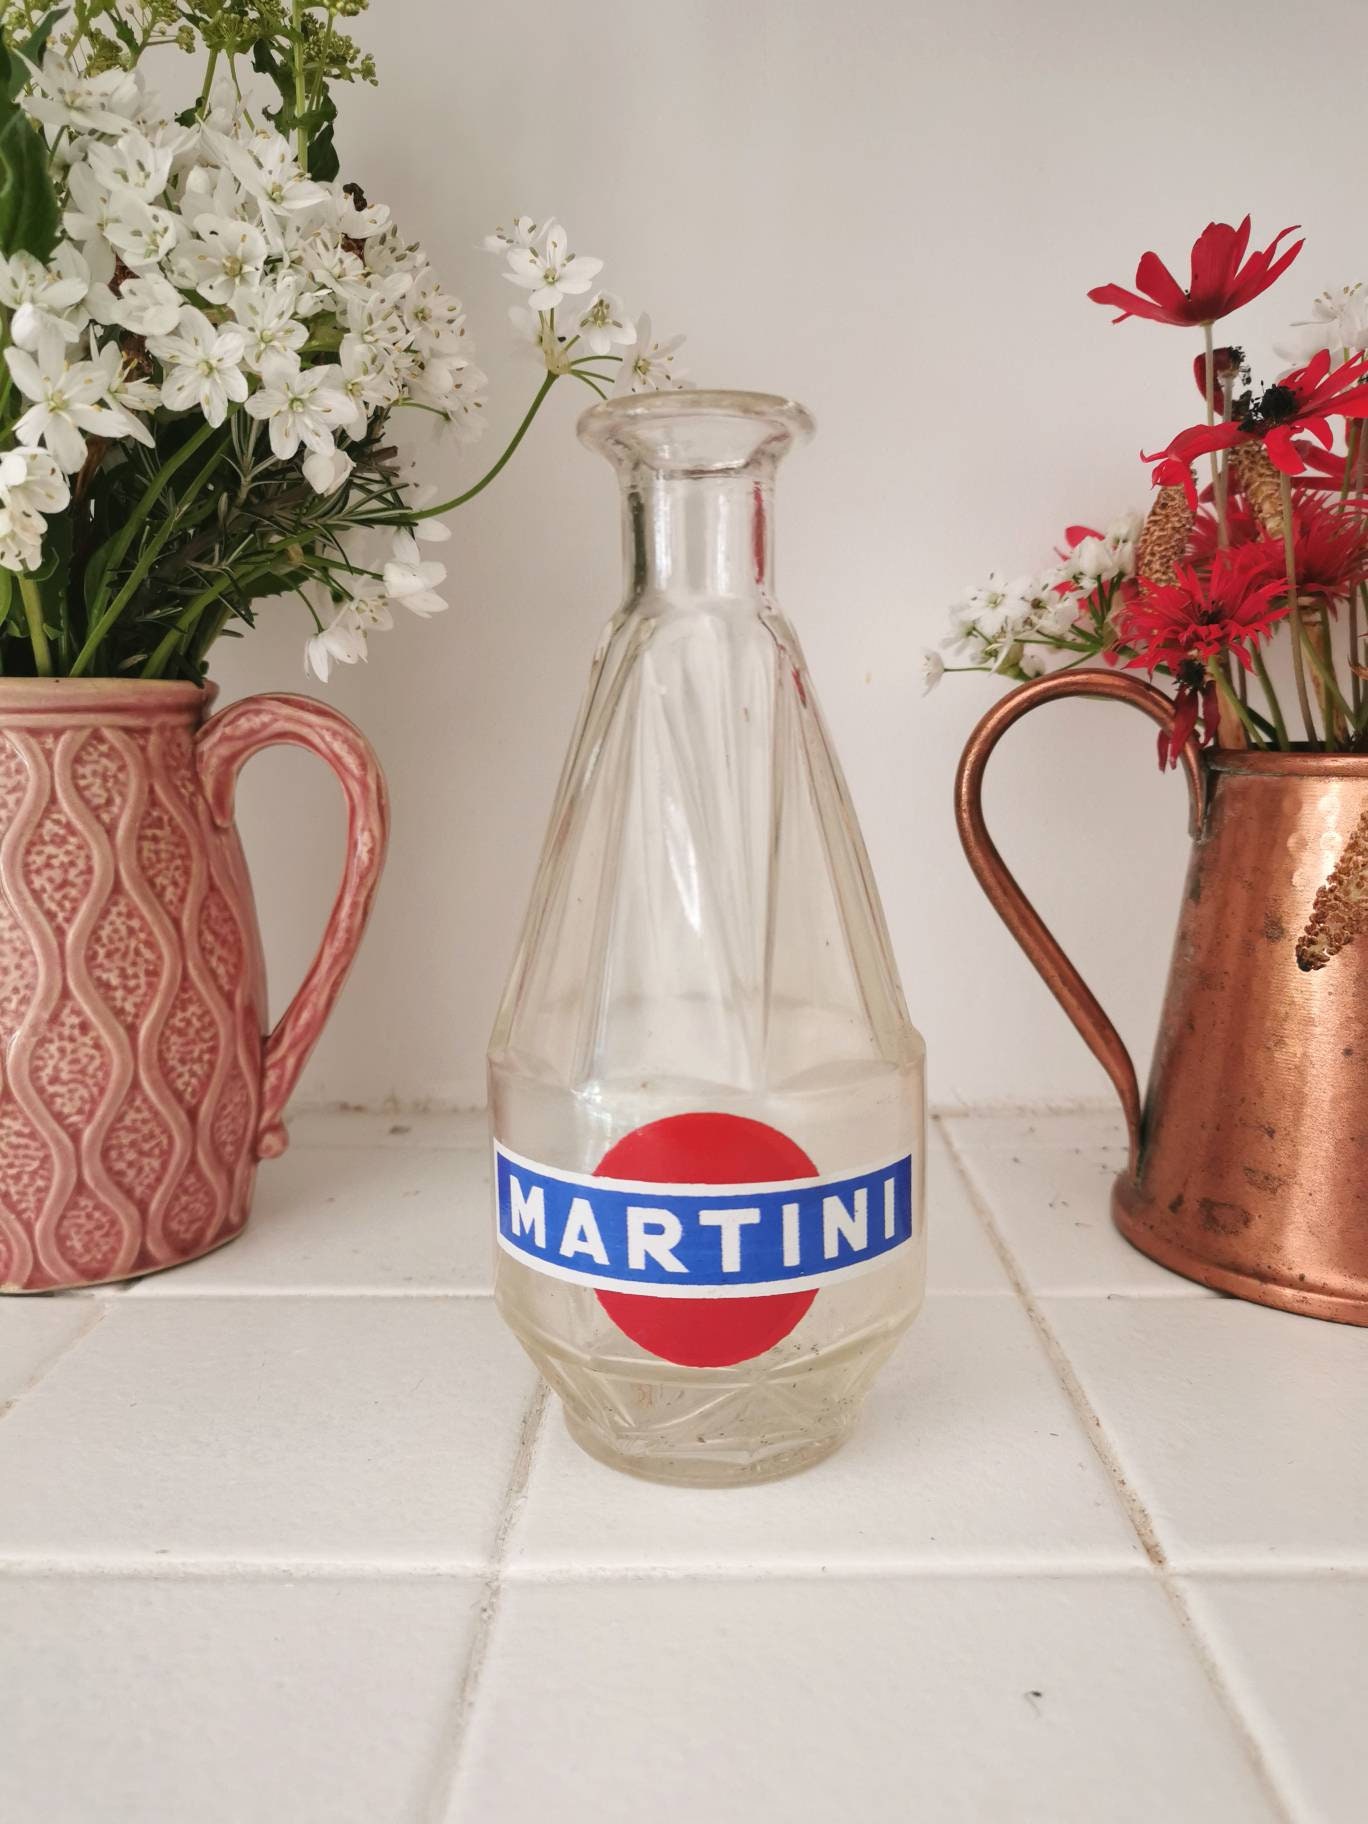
(201, 268)
(1013, 625)
(540, 262)
(405, 577)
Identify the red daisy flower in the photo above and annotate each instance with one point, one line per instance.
(1200, 617)
(1303, 401)
(1331, 545)
(1185, 624)
(1222, 278)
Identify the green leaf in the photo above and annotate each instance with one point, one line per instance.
(28, 202)
(15, 72)
(324, 163)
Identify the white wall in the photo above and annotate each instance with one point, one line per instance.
(892, 211)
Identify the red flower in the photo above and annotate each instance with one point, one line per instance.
(1185, 624)
(1227, 362)
(1199, 617)
(1331, 545)
(1304, 400)
(1220, 282)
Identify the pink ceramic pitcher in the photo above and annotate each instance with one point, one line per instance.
(137, 1090)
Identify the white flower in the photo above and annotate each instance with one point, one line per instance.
(1338, 321)
(454, 387)
(523, 233)
(651, 368)
(88, 104)
(369, 607)
(202, 366)
(436, 318)
(300, 405)
(326, 470)
(31, 487)
(360, 224)
(125, 388)
(932, 670)
(554, 273)
(89, 213)
(211, 189)
(325, 258)
(141, 235)
(340, 643)
(132, 165)
(266, 167)
(604, 325)
(412, 579)
(228, 253)
(65, 402)
(366, 376)
(45, 300)
(1094, 560)
(147, 304)
(265, 314)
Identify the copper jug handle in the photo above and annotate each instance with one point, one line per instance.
(1007, 898)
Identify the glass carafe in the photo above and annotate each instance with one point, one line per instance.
(706, 1097)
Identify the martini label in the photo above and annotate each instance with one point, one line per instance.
(701, 1240)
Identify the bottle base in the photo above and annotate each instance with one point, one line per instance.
(703, 1471)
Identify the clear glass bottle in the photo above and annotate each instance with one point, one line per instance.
(706, 1097)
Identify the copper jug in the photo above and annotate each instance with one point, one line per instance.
(1248, 1164)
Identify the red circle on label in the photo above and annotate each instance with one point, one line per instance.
(706, 1149)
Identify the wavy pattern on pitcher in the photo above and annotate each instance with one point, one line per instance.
(51, 1203)
(169, 1161)
(106, 858)
(105, 1236)
(211, 1070)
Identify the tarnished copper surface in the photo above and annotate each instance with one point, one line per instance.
(1249, 1160)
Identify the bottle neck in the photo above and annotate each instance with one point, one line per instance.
(698, 538)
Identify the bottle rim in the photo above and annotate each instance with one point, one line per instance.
(689, 429)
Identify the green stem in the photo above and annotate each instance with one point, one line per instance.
(185, 622)
(1294, 610)
(1274, 707)
(138, 573)
(174, 636)
(1233, 703)
(146, 501)
(207, 87)
(1217, 490)
(459, 500)
(297, 55)
(33, 614)
(1325, 672)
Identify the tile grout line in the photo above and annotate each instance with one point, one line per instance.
(437, 1804)
(1133, 1507)
(48, 1363)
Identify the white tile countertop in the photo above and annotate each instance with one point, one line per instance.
(291, 1535)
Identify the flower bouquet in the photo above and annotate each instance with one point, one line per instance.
(208, 340)
(208, 337)
(1269, 532)
(1244, 1169)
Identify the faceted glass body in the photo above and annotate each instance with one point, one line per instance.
(702, 1076)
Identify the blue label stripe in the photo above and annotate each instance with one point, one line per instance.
(700, 1240)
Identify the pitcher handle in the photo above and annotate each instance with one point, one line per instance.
(1007, 898)
(226, 742)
